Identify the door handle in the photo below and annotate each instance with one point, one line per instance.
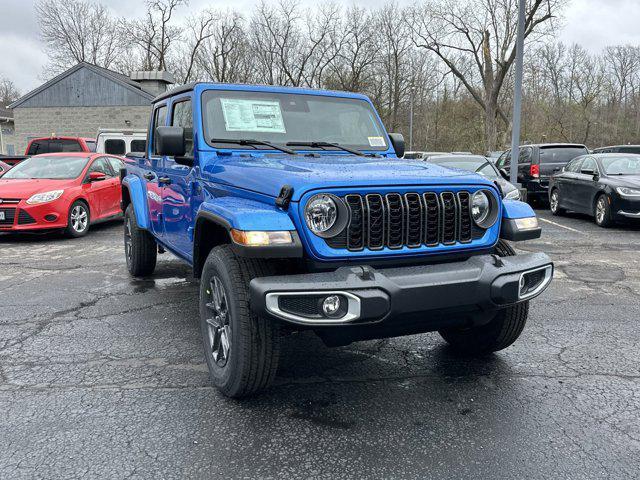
(164, 180)
(149, 176)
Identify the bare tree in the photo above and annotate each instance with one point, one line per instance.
(77, 31)
(8, 91)
(476, 40)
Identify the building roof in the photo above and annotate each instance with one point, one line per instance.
(5, 113)
(116, 77)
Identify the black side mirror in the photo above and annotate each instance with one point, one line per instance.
(170, 142)
(587, 171)
(504, 174)
(397, 141)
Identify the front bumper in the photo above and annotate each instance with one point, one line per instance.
(435, 295)
(23, 217)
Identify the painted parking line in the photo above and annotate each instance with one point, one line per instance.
(562, 226)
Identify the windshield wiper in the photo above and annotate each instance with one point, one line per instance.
(253, 143)
(325, 144)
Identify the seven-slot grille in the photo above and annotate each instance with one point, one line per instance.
(411, 220)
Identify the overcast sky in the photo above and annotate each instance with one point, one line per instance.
(593, 24)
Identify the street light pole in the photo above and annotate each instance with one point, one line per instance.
(517, 95)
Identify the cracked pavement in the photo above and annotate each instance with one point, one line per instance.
(102, 376)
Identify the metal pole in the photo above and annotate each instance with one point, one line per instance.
(411, 122)
(517, 96)
(1, 139)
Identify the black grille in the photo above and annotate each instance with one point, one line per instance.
(410, 220)
(24, 218)
(9, 216)
(305, 305)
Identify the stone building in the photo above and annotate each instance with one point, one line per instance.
(84, 99)
(7, 131)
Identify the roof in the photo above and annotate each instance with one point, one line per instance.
(5, 113)
(616, 146)
(553, 145)
(110, 74)
(256, 88)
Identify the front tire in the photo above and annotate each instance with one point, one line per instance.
(242, 350)
(140, 249)
(499, 333)
(78, 220)
(603, 215)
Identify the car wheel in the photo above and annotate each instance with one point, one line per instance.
(140, 249)
(78, 220)
(504, 329)
(554, 203)
(241, 349)
(603, 212)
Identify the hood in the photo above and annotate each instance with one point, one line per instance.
(267, 174)
(24, 188)
(631, 181)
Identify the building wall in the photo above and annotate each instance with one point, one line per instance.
(74, 121)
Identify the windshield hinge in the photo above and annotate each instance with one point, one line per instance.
(284, 197)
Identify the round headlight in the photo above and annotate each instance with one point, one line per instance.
(321, 213)
(480, 207)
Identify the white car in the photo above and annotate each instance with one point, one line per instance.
(120, 142)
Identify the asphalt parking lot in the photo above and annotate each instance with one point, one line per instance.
(104, 376)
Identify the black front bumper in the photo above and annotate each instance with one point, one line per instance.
(434, 296)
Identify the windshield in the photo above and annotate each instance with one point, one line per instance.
(480, 165)
(621, 165)
(282, 118)
(50, 167)
(561, 154)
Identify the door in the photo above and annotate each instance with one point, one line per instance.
(151, 170)
(177, 181)
(586, 186)
(100, 193)
(566, 183)
(116, 190)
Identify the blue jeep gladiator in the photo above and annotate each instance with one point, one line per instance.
(296, 212)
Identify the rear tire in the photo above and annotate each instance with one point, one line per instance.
(602, 214)
(140, 249)
(554, 203)
(499, 333)
(242, 350)
(78, 220)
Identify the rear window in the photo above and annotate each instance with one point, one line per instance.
(634, 149)
(54, 145)
(115, 146)
(138, 145)
(560, 154)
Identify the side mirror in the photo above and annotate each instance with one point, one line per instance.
(96, 176)
(169, 141)
(397, 141)
(504, 174)
(587, 171)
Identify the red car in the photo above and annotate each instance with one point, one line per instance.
(67, 191)
(4, 167)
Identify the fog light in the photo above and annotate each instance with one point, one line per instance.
(331, 306)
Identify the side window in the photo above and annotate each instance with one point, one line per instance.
(504, 159)
(183, 117)
(115, 146)
(589, 164)
(159, 119)
(138, 146)
(101, 165)
(574, 165)
(91, 145)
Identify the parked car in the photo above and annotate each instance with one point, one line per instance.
(69, 191)
(482, 166)
(12, 160)
(53, 144)
(421, 155)
(536, 163)
(121, 142)
(494, 155)
(605, 186)
(4, 167)
(295, 212)
(618, 149)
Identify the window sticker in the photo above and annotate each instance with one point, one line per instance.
(376, 141)
(242, 115)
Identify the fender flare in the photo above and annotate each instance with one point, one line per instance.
(136, 191)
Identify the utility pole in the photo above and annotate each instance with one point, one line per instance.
(411, 120)
(517, 96)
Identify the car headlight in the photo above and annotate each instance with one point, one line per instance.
(628, 192)
(45, 197)
(484, 209)
(321, 213)
(512, 195)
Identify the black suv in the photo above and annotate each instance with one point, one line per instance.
(536, 163)
(618, 149)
